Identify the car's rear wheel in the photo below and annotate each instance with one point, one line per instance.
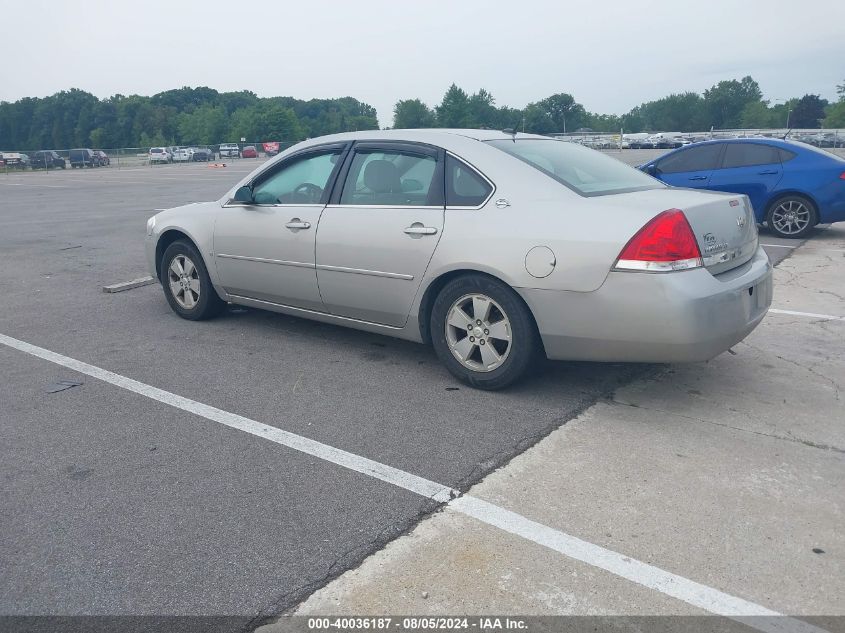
(791, 217)
(483, 332)
(186, 283)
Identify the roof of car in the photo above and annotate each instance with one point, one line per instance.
(432, 133)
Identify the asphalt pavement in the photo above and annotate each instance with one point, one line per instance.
(115, 503)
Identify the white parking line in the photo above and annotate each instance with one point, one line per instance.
(810, 315)
(665, 582)
(778, 245)
(689, 591)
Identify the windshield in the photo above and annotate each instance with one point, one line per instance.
(585, 171)
(816, 150)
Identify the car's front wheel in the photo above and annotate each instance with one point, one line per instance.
(186, 283)
(791, 217)
(483, 332)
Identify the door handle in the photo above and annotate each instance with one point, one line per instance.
(417, 229)
(698, 177)
(768, 172)
(296, 223)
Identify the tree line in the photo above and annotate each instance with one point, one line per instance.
(204, 116)
(729, 104)
(185, 116)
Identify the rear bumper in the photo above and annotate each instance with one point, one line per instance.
(834, 211)
(656, 318)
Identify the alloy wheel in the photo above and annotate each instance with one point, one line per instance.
(478, 332)
(791, 217)
(184, 281)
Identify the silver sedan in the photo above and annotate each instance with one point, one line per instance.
(494, 247)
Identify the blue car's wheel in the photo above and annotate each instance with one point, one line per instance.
(791, 217)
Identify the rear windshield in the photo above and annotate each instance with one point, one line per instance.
(156, 150)
(816, 150)
(585, 171)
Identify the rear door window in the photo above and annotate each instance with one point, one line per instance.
(391, 178)
(786, 155)
(749, 154)
(701, 158)
(465, 187)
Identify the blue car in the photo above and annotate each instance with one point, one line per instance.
(792, 186)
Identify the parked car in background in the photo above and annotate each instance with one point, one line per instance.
(396, 227)
(249, 152)
(792, 186)
(183, 154)
(15, 160)
(104, 158)
(271, 148)
(160, 155)
(230, 150)
(45, 159)
(83, 158)
(202, 154)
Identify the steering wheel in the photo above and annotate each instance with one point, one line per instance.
(311, 191)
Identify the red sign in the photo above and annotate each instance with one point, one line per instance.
(271, 148)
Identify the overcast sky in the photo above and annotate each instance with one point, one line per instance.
(610, 54)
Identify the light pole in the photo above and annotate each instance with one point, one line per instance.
(788, 109)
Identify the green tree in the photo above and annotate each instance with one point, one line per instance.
(835, 115)
(536, 120)
(757, 114)
(482, 110)
(454, 110)
(185, 115)
(564, 113)
(413, 113)
(808, 112)
(508, 118)
(725, 101)
(96, 137)
(278, 123)
(683, 112)
(204, 126)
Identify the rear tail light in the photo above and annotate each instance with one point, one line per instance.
(666, 243)
(842, 176)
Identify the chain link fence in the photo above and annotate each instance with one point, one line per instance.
(15, 161)
(826, 139)
(19, 160)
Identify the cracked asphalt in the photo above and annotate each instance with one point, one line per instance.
(116, 504)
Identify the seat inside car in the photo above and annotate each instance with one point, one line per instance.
(381, 177)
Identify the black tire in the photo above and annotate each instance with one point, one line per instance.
(803, 208)
(208, 304)
(521, 354)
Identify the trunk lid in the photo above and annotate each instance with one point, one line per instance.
(723, 224)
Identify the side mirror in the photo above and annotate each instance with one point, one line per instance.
(651, 170)
(244, 194)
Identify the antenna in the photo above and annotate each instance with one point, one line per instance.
(511, 131)
(788, 132)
